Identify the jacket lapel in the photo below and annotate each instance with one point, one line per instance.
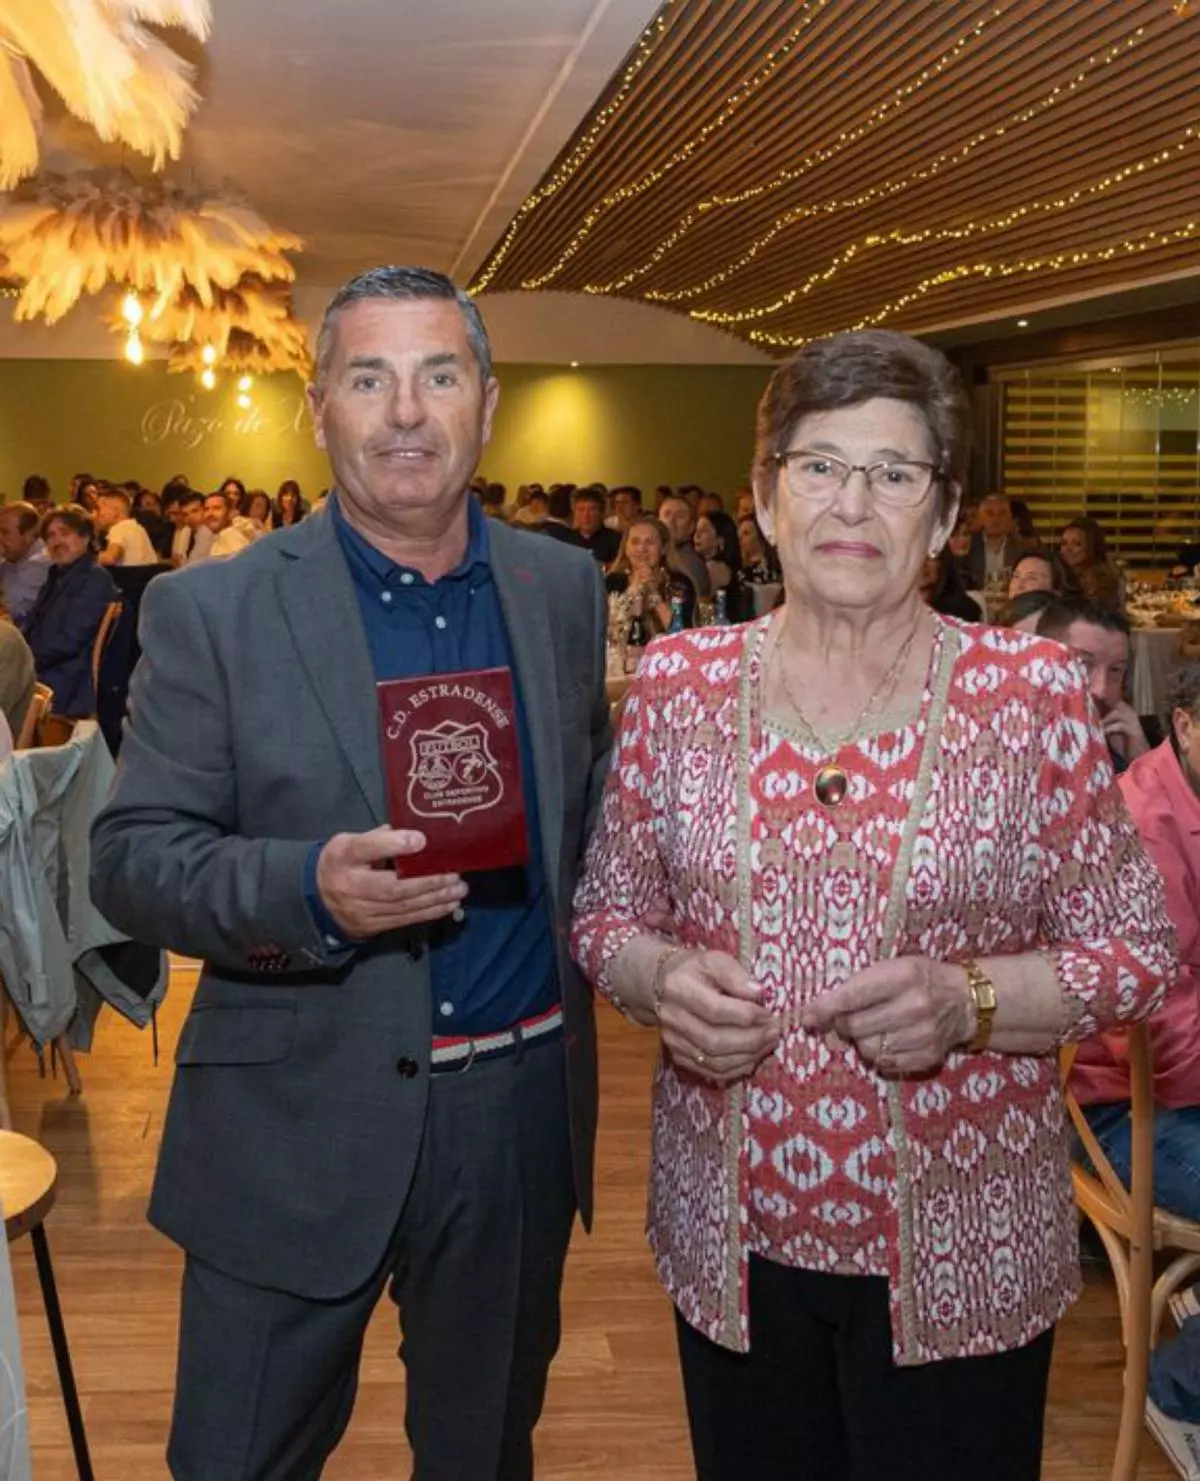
(319, 605)
(528, 622)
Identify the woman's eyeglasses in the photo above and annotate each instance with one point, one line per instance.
(903, 483)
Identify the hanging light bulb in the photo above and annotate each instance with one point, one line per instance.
(134, 352)
(244, 402)
(208, 379)
(131, 309)
(245, 383)
(209, 355)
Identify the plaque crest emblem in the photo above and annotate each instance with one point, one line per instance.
(452, 771)
(452, 765)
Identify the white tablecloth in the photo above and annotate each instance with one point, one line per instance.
(1155, 660)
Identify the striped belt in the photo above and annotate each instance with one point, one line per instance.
(456, 1055)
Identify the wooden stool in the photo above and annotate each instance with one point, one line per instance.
(28, 1183)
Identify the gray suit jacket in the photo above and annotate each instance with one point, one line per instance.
(299, 1097)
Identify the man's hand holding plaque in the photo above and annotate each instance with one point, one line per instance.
(453, 766)
(366, 900)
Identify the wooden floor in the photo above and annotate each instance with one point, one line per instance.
(614, 1408)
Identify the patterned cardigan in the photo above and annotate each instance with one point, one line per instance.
(988, 824)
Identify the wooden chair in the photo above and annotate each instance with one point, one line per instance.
(28, 1183)
(1131, 1229)
(39, 707)
(103, 636)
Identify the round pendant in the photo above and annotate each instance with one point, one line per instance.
(831, 785)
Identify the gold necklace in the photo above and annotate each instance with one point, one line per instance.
(832, 782)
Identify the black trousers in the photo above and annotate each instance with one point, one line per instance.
(818, 1397)
(267, 1380)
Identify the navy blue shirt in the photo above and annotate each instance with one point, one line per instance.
(497, 966)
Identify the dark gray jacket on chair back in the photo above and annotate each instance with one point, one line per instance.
(299, 1099)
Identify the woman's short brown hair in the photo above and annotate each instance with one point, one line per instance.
(75, 517)
(848, 369)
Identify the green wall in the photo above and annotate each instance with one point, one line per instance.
(639, 424)
(616, 424)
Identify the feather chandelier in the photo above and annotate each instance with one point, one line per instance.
(107, 66)
(200, 272)
(246, 354)
(62, 237)
(250, 328)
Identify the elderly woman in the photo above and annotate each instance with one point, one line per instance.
(864, 868)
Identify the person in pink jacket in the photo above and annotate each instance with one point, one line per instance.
(1162, 791)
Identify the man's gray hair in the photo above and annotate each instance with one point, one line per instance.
(400, 284)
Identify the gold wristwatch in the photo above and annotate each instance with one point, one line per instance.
(983, 999)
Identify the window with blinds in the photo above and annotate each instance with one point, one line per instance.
(1121, 443)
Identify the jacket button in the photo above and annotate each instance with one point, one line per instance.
(408, 1068)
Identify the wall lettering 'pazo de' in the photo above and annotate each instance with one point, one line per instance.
(188, 422)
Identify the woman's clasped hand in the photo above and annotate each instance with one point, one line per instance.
(903, 1015)
(712, 1016)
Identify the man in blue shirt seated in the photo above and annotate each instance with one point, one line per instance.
(383, 1080)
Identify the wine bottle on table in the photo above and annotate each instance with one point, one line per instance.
(636, 637)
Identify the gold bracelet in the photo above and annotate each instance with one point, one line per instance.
(982, 991)
(659, 987)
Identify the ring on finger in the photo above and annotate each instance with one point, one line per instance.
(701, 1058)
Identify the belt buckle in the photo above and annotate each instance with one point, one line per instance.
(470, 1060)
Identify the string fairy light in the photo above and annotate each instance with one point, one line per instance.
(1056, 262)
(884, 190)
(1156, 397)
(645, 48)
(631, 191)
(899, 236)
(889, 108)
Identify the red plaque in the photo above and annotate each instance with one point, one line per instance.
(453, 766)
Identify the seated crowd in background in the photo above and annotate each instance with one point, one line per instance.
(63, 565)
(677, 557)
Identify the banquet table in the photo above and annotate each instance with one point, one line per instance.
(1155, 659)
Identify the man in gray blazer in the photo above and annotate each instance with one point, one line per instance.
(381, 1078)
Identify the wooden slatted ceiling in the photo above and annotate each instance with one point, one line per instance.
(785, 170)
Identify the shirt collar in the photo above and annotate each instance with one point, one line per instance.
(366, 558)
